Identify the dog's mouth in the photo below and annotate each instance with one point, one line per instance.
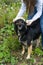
(20, 27)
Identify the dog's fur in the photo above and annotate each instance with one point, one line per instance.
(27, 33)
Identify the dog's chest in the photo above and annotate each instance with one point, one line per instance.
(19, 36)
(22, 38)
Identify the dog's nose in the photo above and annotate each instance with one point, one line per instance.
(19, 25)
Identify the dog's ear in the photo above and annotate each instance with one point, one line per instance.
(14, 22)
(15, 28)
(25, 22)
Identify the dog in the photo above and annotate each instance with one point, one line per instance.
(27, 34)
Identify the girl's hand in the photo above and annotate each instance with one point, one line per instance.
(28, 22)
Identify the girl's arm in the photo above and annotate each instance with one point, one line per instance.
(39, 11)
(21, 11)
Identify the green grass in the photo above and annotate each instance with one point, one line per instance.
(8, 38)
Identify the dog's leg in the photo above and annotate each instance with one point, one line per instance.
(29, 52)
(38, 42)
(23, 50)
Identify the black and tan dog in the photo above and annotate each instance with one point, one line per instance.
(27, 33)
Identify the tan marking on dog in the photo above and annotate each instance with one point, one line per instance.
(25, 43)
(23, 50)
(29, 52)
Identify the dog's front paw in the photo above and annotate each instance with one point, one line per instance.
(28, 57)
(23, 52)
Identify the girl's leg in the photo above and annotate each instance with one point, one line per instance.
(41, 24)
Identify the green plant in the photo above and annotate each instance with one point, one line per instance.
(38, 52)
(13, 60)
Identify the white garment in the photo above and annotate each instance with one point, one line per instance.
(39, 6)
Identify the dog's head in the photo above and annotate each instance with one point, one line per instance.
(20, 25)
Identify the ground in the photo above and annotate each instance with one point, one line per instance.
(34, 60)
